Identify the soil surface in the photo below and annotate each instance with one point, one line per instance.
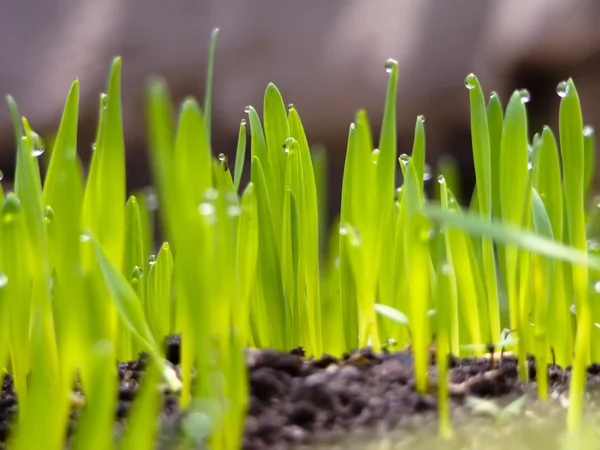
(297, 402)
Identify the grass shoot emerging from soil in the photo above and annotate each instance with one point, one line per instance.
(82, 287)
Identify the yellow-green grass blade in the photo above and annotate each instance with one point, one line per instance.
(513, 181)
(319, 161)
(495, 120)
(449, 293)
(104, 198)
(526, 343)
(446, 295)
(192, 163)
(542, 272)
(94, 428)
(466, 272)
(417, 260)
(141, 428)
(400, 299)
(158, 301)
(482, 155)
(127, 346)
(17, 266)
(348, 292)
(334, 342)
(309, 228)
(289, 258)
(548, 184)
(47, 406)
(63, 192)
(258, 148)
(271, 306)
(511, 235)
(246, 260)
(277, 130)
(240, 156)
(209, 81)
(161, 141)
(573, 163)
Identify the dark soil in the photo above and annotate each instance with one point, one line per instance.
(298, 402)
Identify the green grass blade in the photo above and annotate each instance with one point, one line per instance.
(573, 159)
(104, 198)
(513, 180)
(209, 81)
(158, 303)
(277, 130)
(548, 184)
(309, 228)
(240, 156)
(272, 310)
(480, 136)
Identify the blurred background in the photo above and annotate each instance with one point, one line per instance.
(325, 57)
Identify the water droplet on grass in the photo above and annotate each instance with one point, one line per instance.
(427, 174)
(404, 159)
(247, 109)
(375, 156)
(471, 81)
(85, 237)
(572, 309)
(151, 260)
(588, 131)
(3, 280)
(206, 209)
(441, 179)
(48, 214)
(290, 106)
(389, 65)
(137, 273)
(562, 88)
(597, 287)
(525, 95)
(287, 144)
(243, 122)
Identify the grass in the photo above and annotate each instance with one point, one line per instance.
(81, 285)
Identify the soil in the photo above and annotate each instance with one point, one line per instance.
(297, 402)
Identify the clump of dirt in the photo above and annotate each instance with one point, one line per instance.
(298, 402)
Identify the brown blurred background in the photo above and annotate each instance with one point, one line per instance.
(326, 57)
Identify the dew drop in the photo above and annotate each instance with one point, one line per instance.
(3, 280)
(85, 237)
(389, 65)
(290, 106)
(152, 260)
(597, 287)
(243, 122)
(562, 88)
(471, 81)
(588, 131)
(375, 156)
(421, 118)
(247, 109)
(573, 310)
(288, 143)
(137, 273)
(48, 214)
(427, 174)
(441, 179)
(206, 209)
(37, 144)
(525, 95)
(93, 147)
(404, 159)
(222, 158)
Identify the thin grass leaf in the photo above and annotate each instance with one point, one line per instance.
(240, 156)
(209, 81)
